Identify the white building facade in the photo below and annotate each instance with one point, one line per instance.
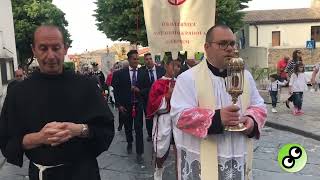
(8, 54)
(268, 35)
(275, 28)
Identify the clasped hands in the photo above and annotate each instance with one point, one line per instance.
(56, 133)
(230, 116)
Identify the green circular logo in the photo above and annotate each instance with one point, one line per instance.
(292, 157)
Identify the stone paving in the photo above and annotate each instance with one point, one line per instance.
(265, 156)
(116, 164)
(307, 125)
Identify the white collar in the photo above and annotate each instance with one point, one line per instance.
(167, 78)
(130, 68)
(153, 69)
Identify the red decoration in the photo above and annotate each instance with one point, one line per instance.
(158, 90)
(134, 112)
(176, 2)
(196, 121)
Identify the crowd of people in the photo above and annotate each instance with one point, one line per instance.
(291, 73)
(166, 96)
(65, 122)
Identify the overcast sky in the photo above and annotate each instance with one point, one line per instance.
(85, 35)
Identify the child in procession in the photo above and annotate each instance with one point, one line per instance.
(297, 85)
(159, 109)
(273, 88)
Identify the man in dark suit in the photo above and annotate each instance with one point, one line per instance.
(98, 75)
(18, 77)
(129, 102)
(149, 74)
(189, 63)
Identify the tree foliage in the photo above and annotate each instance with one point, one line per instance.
(27, 15)
(118, 18)
(228, 13)
(122, 20)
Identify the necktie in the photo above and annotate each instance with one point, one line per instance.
(134, 83)
(151, 76)
(134, 77)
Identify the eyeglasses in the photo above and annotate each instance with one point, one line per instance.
(224, 44)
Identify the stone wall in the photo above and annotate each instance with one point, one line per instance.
(255, 56)
(308, 57)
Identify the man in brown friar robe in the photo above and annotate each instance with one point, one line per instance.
(58, 119)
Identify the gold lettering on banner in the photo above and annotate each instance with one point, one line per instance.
(171, 29)
(178, 28)
(177, 24)
(182, 33)
(178, 41)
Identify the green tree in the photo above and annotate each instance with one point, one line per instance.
(27, 15)
(123, 19)
(228, 13)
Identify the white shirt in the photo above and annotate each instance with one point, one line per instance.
(298, 83)
(154, 73)
(275, 85)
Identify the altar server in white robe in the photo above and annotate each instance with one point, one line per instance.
(201, 108)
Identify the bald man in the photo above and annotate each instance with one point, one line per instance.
(18, 77)
(60, 130)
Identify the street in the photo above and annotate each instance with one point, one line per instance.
(63, 62)
(116, 164)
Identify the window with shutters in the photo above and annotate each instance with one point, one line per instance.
(275, 38)
(315, 33)
(6, 74)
